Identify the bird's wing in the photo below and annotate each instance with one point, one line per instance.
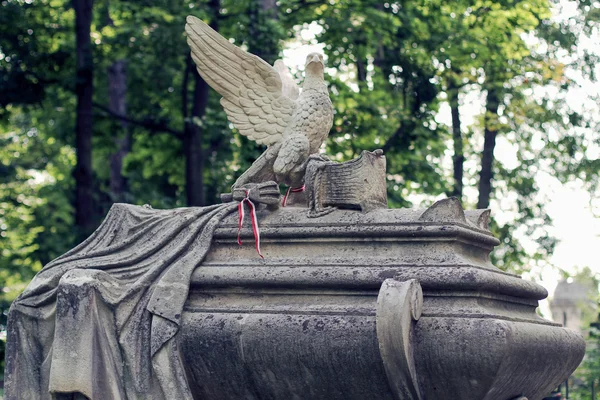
(294, 151)
(289, 86)
(251, 88)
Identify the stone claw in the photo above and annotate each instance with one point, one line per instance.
(226, 197)
(264, 192)
(318, 157)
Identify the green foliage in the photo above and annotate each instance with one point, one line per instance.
(35, 49)
(383, 91)
(395, 63)
(36, 216)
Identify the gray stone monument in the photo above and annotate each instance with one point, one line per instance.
(389, 304)
(346, 299)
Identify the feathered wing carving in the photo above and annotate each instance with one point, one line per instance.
(252, 90)
(289, 87)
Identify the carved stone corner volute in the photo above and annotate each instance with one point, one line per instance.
(399, 307)
(451, 211)
(446, 210)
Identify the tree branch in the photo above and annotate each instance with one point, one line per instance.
(390, 142)
(146, 123)
(184, 87)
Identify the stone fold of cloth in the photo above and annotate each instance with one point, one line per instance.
(101, 320)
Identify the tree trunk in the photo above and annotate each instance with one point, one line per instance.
(193, 132)
(117, 91)
(192, 142)
(487, 157)
(84, 204)
(361, 70)
(260, 42)
(458, 158)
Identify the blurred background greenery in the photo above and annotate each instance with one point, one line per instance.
(100, 103)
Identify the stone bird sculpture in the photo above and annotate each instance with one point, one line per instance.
(265, 104)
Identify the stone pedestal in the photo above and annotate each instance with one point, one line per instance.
(390, 304)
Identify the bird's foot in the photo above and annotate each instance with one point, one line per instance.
(315, 213)
(318, 157)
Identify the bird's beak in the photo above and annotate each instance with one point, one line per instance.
(315, 59)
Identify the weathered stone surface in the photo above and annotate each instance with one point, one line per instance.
(379, 304)
(302, 323)
(399, 305)
(389, 304)
(358, 184)
(101, 321)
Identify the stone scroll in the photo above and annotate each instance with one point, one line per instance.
(359, 184)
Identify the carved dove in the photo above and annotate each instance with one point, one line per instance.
(264, 104)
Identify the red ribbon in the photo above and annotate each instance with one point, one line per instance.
(255, 228)
(292, 190)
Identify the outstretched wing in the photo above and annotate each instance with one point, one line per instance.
(289, 86)
(251, 88)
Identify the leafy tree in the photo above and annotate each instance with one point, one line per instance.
(383, 90)
(84, 90)
(534, 125)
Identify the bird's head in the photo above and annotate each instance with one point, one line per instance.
(314, 63)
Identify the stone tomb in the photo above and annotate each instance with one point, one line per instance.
(391, 304)
(387, 304)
